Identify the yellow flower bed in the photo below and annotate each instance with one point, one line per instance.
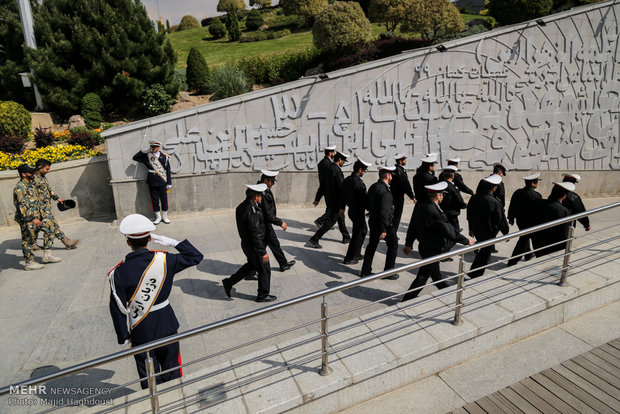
(54, 154)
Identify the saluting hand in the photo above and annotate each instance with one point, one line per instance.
(266, 258)
(284, 226)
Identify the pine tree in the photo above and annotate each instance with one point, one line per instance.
(232, 25)
(107, 47)
(197, 71)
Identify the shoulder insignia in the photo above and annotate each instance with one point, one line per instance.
(160, 251)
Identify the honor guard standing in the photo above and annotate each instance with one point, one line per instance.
(28, 216)
(521, 209)
(46, 194)
(573, 202)
(549, 210)
(486, 218)
(268, 205)
(333, 198)
(430, 226)
(140, 286)
(500, 192)
(452, 202)
(159, 178)
(400, 187)
(324, 168)
(251, 228)
(425, 175)
(458, 179)
(354, 196)
(381, 207)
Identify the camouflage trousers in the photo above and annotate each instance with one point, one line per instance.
(49, 218)
(29, 236)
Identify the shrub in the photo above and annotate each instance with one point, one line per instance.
(11, 144)
(277, 68)
(266, 35)
(260, 3)
(107, 125)
(280, 22)
(217, 29)
(232, 26)
(386, 35)
(254, 20)
(82, 136)
(155, 100)
(433, 19)
(340, 24)
(228, 5)
(309, 9)
(15, 120)
(227, 80)
(197, 71)
(389, 12)
(181, 77)
(515, 11)
(91, 110)
(188, 22)
(43, 137)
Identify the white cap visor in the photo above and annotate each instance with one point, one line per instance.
(494, 179)
(532, 177)
(136, 226)
(259, 188)
(436, 188)
(565, 185)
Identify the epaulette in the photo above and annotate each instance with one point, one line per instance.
(160, 251)
(111, 270)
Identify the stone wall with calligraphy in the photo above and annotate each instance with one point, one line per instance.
(530, 96)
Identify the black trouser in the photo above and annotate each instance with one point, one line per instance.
(373, 241)
(522, 248)
(332, 217)
(254, 264)
(454, 221)
(159, 195)
(424, 272)
(274, 244)
(398, 212)
(482, 259)
(164, 358)
(358, 234)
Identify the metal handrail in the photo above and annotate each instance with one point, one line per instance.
(300, 299)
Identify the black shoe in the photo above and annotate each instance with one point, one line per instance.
(495, 250)
(252, 276)
(358, 257)
(510, 263)
(449, 259)
(528, 257)
(364, 274)
(268, 298)
(287, 266)
(350, 261)
(227, 287)
(346, 239)
(392, 277)
(318, 223)
(313, 244)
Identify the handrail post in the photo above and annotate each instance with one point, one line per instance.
(325, 369)
(150, 373)
(566, 261)
(459, 292)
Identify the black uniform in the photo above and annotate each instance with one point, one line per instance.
(429, 225)
(549, 210)
(268, 205)
(323, 167)
(251, 228)
(460, 184)
(381, 207)
(521, 209)
(452, 204)
(156, 324)
(486, 218)
(400, 187)
(354, 196)
(575, 206)
(157, 185)
(500, 194)
(333, 198)
(422, 178)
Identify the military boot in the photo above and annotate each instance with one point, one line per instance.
(32, 265)
(49, 258)
(164, 217)
(70, 244)
(157, 218)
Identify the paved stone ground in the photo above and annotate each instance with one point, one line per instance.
(57, 317)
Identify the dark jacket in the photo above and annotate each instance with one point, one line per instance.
(460, 184)
(500, 194)
(379, 203)
(574, 205)
(521, 206)
(400, 185)
(268, 205)
(421, 179)
(549, 210)
(127, 275)
(323, 166)
(251, 225)
(153, 179)
(453, 202)
(333, 188)
(486, 217)
(429, 225)
(354, 195)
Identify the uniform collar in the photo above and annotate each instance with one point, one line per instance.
(135, 253)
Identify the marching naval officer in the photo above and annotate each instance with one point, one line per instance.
(400, 187)
(500, 192)
(140, 287)
(425, 175)
(354, 196)
(521, 209)
(323, 168)
(159, 178)
(458, 178)
(268, 205)
(452, 202)
(573, 202)
(549, 210)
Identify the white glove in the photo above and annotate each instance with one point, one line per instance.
(146, 151)
(164, 241)
(168, 187)
(126, 344)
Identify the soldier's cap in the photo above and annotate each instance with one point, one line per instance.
(136, 226)
(451, 168)
(25, 168)
(257, 188)
(533, 177)
(342, 154)
(455, 160)
(388, 168)
(330, 148)
(501, 166)
(366, 164)
(565, 185)
(154, 143)
(494, 179)
(572, 177)
(65, 205)
(430, 158)
(400, 156)
(270, 174)
(437, 188)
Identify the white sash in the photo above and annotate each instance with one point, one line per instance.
(141, 303)
(157, 167)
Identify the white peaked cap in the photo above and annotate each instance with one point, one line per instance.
(259, 188)
(451, 168)
(400, 156)
(268, 173)
(154, 142)
(502, 166)
(389, 168)
(136, 226)
(455, 159)
(330, 148)
(572, 175)
(436, 188)
(430, 158)
(565, 185)
(367, 164)
(343, 154)
(494, 179)
(532, 177)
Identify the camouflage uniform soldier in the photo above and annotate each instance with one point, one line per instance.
(28, 216)
(46, 194)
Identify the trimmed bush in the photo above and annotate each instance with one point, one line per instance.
(266, 35)
(254, 20)
(232, 26)
(43, 137)
(340, 24)
(228, 5)
(197, 71)
(277, 68)
(188, 22)
(155, 100)
(15, 120)
(433, 19)
(181, 78)
(217, 29)
(91, 110)
(11, 144)
(227, 80)
(82, 136)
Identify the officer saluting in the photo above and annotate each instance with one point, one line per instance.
(354, 196)
(140, 287)
(159, 178)
(521, 208)
(400, 187)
